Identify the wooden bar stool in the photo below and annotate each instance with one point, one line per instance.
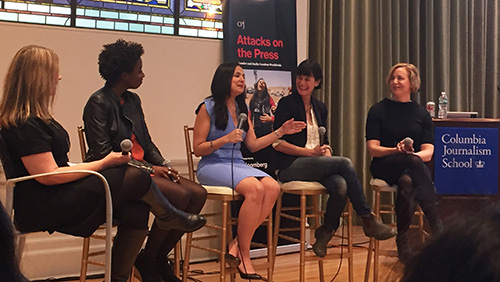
(379, 186)
(224, 196)
(313, 190)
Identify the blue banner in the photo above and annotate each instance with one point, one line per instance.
(466, 161)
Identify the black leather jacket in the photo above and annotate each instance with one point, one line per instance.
(289, 107)
(107, 123)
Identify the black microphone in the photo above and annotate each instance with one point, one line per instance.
(168, 164)
(126, 146)
(241, 119)
(408, 142)
(321, 131)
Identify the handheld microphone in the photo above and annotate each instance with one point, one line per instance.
(241, 119)
(168, 164)
(321, 131)
(408, 142)
(126, 146)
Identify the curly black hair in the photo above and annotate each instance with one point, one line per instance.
(117, 58)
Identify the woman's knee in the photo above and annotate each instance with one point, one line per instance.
(414, 162)
(271, 186)
(251, 188)
(345, 165)
(195, 190)
(340, 185)
(405, 181)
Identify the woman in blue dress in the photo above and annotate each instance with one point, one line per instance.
(217, 137)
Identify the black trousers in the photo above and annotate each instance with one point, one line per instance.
(415, 185)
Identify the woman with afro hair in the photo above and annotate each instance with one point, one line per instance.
(112, 114)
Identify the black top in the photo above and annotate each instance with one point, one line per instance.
(76, 207)
(36, 136)
(390, 122)
(289, 107)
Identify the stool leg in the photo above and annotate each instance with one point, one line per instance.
(316, 211)
(270, 246)
(225, 230)
(276, 228)
(421, 223)
(302, 238)
(350, 242)
(177, 258)
(376, 242)
(321, 271)
(85, 258)
(375, 261)
(369, 259)
(185, 266)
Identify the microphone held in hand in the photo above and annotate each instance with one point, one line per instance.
(126, 146)
(408, 142)
(321, 131)
(241, 119)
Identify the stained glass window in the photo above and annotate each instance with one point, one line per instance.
(190, 18)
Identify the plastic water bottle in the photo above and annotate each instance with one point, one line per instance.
(443, 105)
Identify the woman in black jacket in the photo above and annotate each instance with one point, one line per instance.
(302, 156)
(112, 114)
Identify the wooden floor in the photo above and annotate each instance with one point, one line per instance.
(287, 266)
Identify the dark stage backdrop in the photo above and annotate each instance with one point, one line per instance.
(262, 37)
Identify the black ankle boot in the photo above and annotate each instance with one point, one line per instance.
(167, 216)
(147, 269)
(404, 250)
(373, 227)
(166, 271)
(323, 235)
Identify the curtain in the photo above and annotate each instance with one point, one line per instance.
(454, 43)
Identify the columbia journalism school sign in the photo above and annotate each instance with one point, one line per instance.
(466, 160)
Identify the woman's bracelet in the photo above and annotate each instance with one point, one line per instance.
(212, 145)
(277, 134)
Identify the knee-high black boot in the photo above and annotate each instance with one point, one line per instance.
(126, 246)
(169, 217)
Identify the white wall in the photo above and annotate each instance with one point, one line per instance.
(178, 75)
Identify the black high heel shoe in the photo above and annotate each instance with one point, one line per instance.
(231, 260)
(249, 276)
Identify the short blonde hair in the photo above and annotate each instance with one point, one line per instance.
(29, 85)
(413, 75)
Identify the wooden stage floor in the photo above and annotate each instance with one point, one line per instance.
(287, 266)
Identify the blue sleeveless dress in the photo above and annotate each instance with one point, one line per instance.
(215, 168)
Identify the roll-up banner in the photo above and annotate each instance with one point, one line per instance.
(261, 35)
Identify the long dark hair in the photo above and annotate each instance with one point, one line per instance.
(221, 89)
(259, 97)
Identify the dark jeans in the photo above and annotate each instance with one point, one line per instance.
(415, 184)
(338, 176)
